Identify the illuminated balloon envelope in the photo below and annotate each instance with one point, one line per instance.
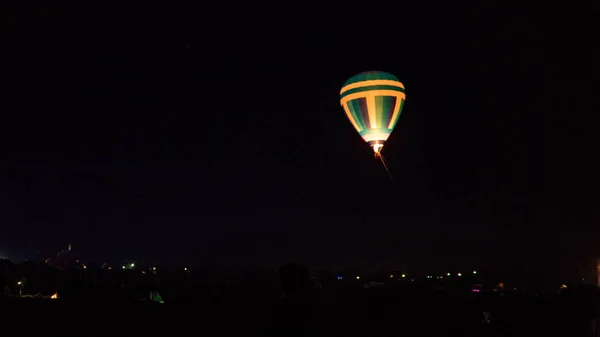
(373, 101)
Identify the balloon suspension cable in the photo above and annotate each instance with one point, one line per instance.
(380, 156)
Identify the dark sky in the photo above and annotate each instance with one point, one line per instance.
(214, 134)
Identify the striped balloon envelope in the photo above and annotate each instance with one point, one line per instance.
(373, 101)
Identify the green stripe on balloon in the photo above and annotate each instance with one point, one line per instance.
(369, 76)
(355, 111)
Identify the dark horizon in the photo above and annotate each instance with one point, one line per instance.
(157, 134)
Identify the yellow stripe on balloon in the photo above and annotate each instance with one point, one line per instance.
(371, 82)
(399, 95)
(372, 110)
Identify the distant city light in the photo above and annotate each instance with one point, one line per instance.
(185, 269)
(19, 283)
(403, 275)
(358, 277)
(123, 267)
(459, 274)
(54, 296)
(132, 265)
(474, 272)
(448, 274)
(340, 277)
(391, 275)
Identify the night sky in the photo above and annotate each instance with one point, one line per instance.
(214, 135)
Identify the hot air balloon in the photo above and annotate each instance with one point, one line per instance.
(373, 101)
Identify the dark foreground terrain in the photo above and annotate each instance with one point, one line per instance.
(350, 312)
(283, 302)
